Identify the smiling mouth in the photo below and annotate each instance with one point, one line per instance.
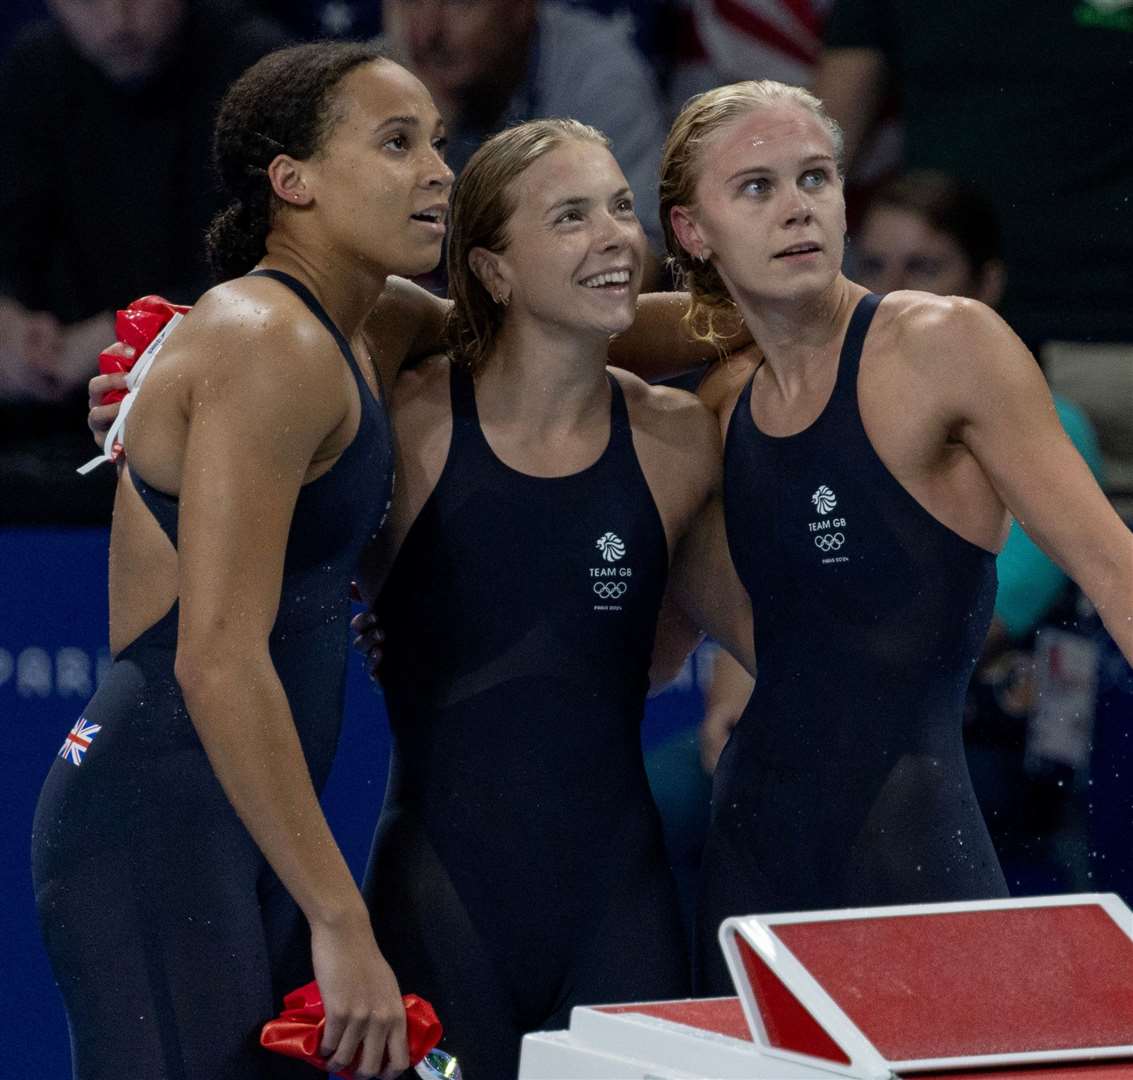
(606, 279)
(799, 249)
(429, 217)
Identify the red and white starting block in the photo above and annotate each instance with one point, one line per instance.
(1033, 989)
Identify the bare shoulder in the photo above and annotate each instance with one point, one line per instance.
(725, 379)
(954, 356)
(406, 322)
(925, 328)
(664, 406)
(673, 427)
(250, 332)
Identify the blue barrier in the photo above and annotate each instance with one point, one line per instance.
(53, 628)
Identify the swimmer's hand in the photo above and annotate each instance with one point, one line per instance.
(368, 640)
(365, 1014)
(101, 416)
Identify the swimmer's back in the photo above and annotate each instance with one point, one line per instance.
(250, 363)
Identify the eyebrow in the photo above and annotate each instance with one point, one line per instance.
(753, 170)
(412, 121)
(583, 200)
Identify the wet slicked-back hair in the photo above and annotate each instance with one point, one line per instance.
(482, 206)
(283, 104)
(681, 166)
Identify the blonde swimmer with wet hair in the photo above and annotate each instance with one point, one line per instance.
(876, 449)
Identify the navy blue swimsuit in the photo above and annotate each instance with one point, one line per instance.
(518, 868)
(171, 938)
(845, 781)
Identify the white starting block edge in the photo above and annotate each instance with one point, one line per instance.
(608, 1046)
(865, 1061)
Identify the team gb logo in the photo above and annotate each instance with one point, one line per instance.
(611, 547)
(823, 499)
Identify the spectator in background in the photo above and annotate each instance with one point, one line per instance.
(492, 63)
(105, 192)
(1034, 105)
(928, 231)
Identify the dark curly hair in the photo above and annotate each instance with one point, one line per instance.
(283, 104)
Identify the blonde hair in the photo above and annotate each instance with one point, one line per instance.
(482, 206)
(710, 305)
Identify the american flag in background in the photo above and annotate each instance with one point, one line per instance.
(77, 740)
(729, 40)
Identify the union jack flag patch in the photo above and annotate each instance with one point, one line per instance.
(78, 740)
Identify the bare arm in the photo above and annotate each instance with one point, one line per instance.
(724, 703)
(705, 586)
(422, 426)
(704, 593)
(236, 500)
(406, 323)
(850, 83)
(657, 346)
(677, 636)
(1002, 411)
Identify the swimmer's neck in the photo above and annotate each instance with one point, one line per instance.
(544, 376)
(347, 293)
(800, 337)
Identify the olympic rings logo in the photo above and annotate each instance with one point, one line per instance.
(829, 541)
(610, 590)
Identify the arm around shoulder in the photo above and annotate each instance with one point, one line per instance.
(406, 323)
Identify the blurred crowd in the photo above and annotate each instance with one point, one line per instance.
(988, 154)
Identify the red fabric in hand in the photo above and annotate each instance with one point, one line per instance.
(135, 326)
(298, 1030)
